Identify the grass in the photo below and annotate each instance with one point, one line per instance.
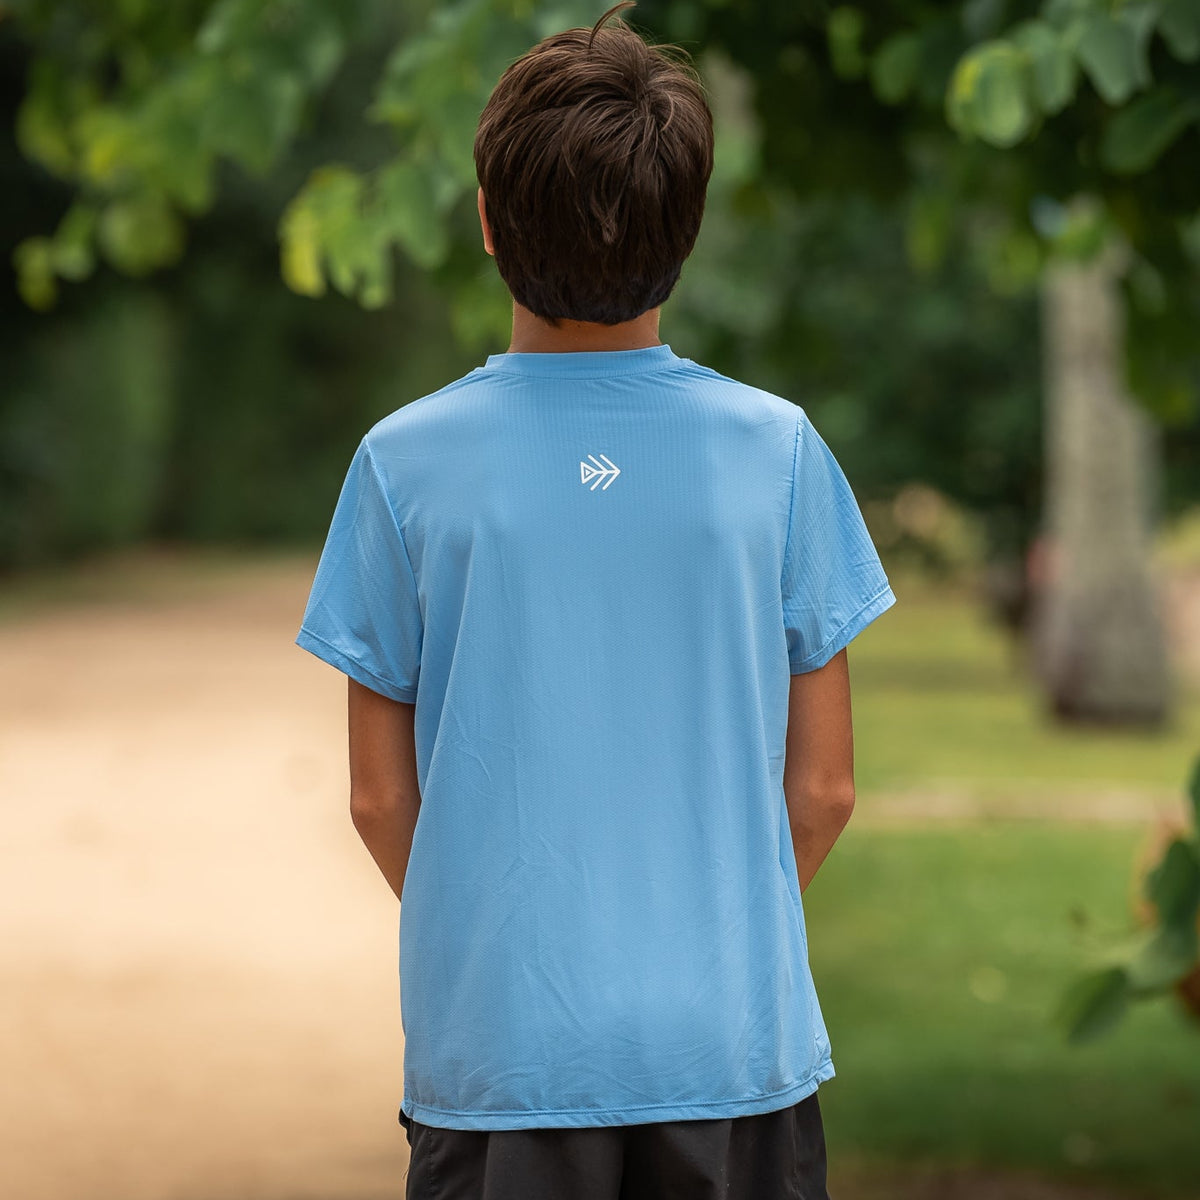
(942, 699)
(940, 950)
(939, 957)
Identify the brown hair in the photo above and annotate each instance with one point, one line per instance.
(594, 153)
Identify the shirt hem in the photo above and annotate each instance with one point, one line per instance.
(583, 1118)
(335, 657)
(872, 608)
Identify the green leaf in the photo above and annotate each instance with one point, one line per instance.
(456, 126)
(188, 179)
(140, 233)
(1094, 1003)
(339, 228)
(1165, 959)
(252, 116)
(844, 30)
(409, 212)
(317, 42)
(33, 260)
(300, 249)
(336, 194)
(1139, 18)
(169, 144)
(988, 94)
(982, 18)
(228, 23)
(1085, 231)
(1054, 69)
(1012, 261)
(375, 290)
(73, 255)
(43, 120)
(1179, 24)
(1108, 52)
(108, 143)
(1062, 12)
(894, 67)
(1140, 132)
(1173, 887)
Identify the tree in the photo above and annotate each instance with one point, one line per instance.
(981, 120)
(1098, 641)
(138, 106)
(1017, 118)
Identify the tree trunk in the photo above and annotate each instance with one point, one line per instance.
(1097, 626)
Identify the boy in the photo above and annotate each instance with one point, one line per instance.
(593, 601)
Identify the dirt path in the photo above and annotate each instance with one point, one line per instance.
(198, 994)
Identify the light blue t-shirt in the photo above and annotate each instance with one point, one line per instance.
(593, 573)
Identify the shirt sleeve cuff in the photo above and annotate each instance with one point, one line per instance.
(871, 608)
(326, 652)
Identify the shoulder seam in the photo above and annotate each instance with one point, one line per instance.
(787, 544)
(688, 364)
(691, 366)
(461, 381)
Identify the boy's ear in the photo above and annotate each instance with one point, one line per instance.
(483, 224)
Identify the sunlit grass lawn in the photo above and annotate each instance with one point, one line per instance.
(940, 950)
(942, 699)
(939, 956)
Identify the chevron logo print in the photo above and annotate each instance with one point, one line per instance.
(599, 473)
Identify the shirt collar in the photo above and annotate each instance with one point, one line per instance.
(583, 364)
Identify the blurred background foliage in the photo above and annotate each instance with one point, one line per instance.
(862, 253)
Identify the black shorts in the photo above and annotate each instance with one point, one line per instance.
(768, 1156)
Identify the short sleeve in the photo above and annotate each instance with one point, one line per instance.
(363, 614)
(834, 585)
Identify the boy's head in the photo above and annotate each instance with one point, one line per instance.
(593, 155)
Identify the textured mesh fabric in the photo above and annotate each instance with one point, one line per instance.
(593, 573)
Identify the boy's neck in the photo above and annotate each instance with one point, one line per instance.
(532, 335)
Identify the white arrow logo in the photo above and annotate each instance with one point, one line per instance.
(596, 472)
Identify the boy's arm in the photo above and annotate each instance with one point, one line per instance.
(384, 794)
(818, 771)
